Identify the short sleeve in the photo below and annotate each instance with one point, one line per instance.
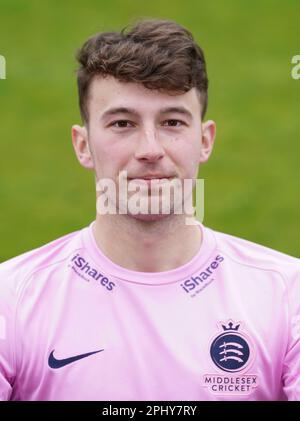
(291, 368)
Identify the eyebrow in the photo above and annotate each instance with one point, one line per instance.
(118, 110)
(179, 110)
(125, 110)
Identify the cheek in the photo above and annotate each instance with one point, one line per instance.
(186, 155)
(110, 157)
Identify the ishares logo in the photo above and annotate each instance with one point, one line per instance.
(203, 279)
(2, 67)
(86, 271)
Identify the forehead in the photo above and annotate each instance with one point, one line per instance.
(106, 93)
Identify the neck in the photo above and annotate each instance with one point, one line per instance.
(147, 246)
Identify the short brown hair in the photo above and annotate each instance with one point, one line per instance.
(159, 54)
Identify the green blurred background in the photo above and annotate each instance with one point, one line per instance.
(252, 179)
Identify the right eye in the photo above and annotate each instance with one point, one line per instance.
(122, 124)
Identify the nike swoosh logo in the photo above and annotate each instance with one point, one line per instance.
(55, 363)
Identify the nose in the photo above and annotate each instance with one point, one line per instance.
(149, 148)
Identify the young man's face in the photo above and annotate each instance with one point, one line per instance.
(147, 133)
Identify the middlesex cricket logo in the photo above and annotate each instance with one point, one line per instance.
(230, 350)
(232, 353)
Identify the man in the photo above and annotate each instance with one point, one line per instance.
(141, 305)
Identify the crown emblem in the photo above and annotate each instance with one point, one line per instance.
(230, 326)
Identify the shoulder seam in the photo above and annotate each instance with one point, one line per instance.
(254, 266)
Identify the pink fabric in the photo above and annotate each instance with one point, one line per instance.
(225, 326)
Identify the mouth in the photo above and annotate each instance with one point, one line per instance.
(152, 177)
(149, 179)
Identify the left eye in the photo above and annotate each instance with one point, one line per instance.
(173, 123)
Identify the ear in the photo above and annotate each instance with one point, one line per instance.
(81, 146)
(207, 141)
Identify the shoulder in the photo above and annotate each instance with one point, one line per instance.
(15, 271)
(255, 256)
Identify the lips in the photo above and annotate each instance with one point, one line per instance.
(151, 180)
(151, 177)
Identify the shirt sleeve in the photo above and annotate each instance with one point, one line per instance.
(7, 315)
(291, 368)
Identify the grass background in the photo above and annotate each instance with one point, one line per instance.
(252, 179)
